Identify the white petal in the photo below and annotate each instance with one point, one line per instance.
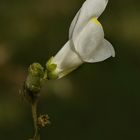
(72, 26)
(67, 60)
(95, 7)
(102, 52)
(90, 8)
(89, 39)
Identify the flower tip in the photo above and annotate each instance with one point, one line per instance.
(112, 52)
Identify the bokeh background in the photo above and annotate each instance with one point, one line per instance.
(99, 101)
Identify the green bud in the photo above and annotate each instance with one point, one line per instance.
(36, 70)
(49, 62)
(34, 78)
(51, 69)
(51, 66)
(52, 75)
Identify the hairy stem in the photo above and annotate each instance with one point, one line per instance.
(34, 114)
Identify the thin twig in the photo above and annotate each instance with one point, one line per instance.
(34, 114)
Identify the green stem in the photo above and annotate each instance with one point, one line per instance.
(34, 114)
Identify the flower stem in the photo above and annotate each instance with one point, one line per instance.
(34, 114)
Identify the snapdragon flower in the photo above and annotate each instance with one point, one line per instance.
(86, 41)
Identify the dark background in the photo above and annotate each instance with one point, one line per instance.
(99, 101)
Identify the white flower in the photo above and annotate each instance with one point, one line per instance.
(86, 40)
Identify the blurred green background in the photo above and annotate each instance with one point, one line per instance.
(99, 101)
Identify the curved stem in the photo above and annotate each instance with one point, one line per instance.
(34, 114)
